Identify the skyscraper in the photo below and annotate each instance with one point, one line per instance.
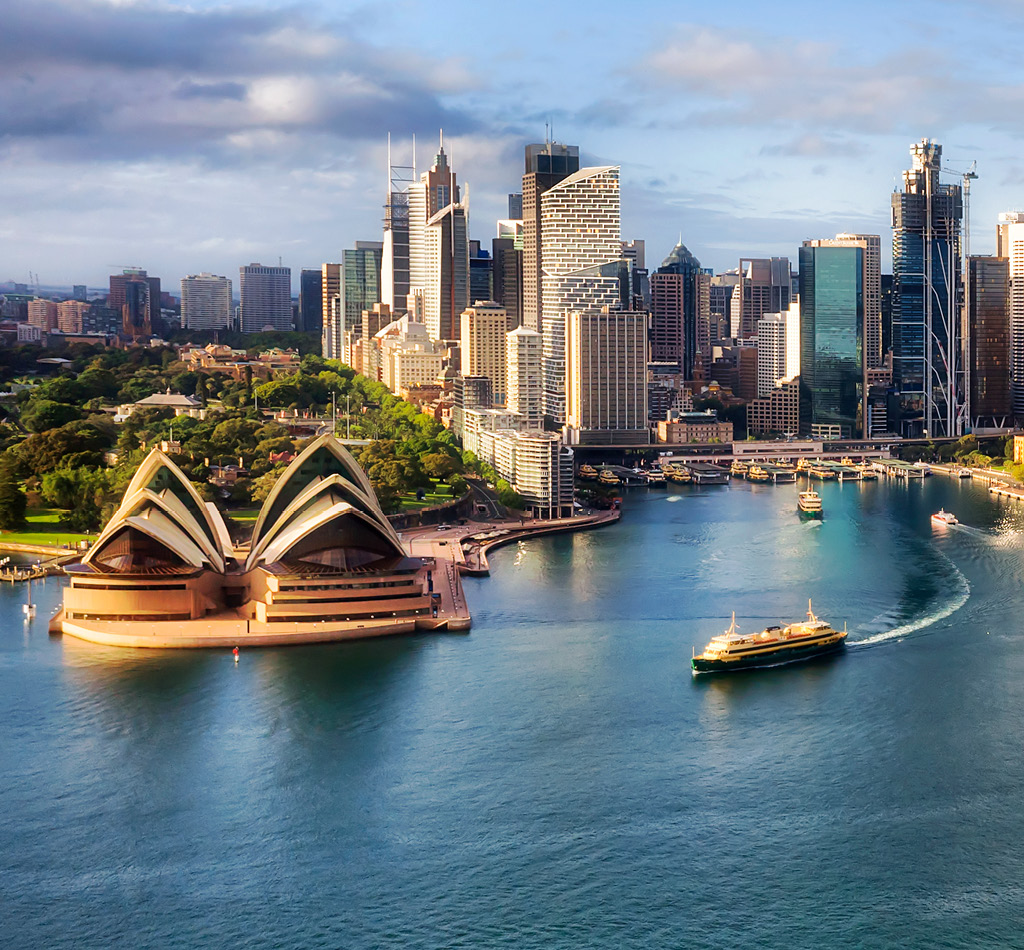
(136, 297)
(522, 374)
(439, 248)
(771, 352)
(989, 323)
(872, 244)
(311, 301)
(764, 286)
(1010, 245)
(205, 302)
(265, 294)
(926, 339)
(71, 316)
(483, 345)
(507, 279)
(606, 390)
(394, 274)
(580, 247)
(481, 273)
(680, 309)
(831, 337)
(546, 165)
(43, 313)
(358, 289)
(720, 303)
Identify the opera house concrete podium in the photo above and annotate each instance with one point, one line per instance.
(323, 564)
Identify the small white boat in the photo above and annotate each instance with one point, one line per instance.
(964, 473)
(944, 517)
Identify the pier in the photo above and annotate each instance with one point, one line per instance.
(704, 473)
(895, 468)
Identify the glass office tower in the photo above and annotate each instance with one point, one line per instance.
(831, 338)
(928, 364)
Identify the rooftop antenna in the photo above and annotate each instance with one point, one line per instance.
(414, 156)
(547, 133)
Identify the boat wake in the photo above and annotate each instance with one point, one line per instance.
(960, 597)
(674, 498)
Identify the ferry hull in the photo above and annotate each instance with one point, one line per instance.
(804, 513)
(785, 655)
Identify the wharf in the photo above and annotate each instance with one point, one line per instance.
(820, 472)
(704, 473)
(1007, 491)
(843, 472)
(780, 473)
(895, 468)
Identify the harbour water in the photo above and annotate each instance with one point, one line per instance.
(556, 778)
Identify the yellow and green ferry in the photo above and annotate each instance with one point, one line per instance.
(732, 651)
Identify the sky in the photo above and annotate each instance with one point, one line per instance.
(201, 136)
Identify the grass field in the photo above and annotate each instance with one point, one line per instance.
(44, 528)
(411, 502)
(243, 515)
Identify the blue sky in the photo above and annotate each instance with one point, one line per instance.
(201, 136)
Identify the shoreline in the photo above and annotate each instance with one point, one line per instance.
(446, 558)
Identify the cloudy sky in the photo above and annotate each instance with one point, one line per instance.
(186, 136)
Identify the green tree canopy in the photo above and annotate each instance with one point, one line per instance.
(12, 499)
(43, 414)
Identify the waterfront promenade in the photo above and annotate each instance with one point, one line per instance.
(448, 553)
(466, 546)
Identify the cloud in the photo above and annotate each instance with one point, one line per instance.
(729, 77)
(811, 145)
(143, 79)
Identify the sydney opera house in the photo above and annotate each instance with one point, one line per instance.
(323, 564)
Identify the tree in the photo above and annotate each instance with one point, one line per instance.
(81, 491)
(261, 487)
(46, 414)
(440, 465)
(12, 499)
(46, 451)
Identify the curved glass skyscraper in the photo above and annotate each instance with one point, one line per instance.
(927, 341)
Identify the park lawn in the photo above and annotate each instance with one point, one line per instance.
(429, 500)
(244, 515)
(44, 528)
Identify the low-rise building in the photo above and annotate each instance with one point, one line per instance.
(182, 406)
(777, 412)
(694, 427)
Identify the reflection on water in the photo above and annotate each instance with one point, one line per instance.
(557, 777)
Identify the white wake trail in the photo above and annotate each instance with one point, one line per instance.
(962, 595)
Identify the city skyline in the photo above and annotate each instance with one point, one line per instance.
(233, 133)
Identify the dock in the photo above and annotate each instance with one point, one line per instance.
(895, 468)
(1007, 491)
(704, 473)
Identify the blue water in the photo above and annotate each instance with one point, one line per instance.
(556, 778)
